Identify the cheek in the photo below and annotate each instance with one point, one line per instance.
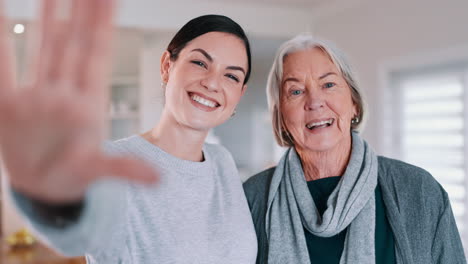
(343, 107)
(292, 119)
(233, 95)
(286, 114)
(345, 112)
(184, 75)
(288, 110)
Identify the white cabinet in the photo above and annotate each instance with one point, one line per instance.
(124, 107)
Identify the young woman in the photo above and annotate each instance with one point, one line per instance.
(85, 200)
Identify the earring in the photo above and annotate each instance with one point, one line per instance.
(233, 113)
(163, 84)
(355, 120)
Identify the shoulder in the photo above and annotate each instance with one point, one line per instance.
(260, 179)
(221, 157)
(400, 167)
(120, 146)
(218, 153)
(258, 185)
(216, 150)
(411, 185)
(406, 175)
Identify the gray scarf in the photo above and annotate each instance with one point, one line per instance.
(351, 205)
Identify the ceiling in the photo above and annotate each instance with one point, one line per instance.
(288, 3)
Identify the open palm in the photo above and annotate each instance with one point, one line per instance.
(52, 125)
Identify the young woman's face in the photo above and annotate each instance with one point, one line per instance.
(206, 82)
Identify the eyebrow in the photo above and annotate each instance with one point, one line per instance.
(290, 79)
(209, 58)
(326, 75)
(236, 68)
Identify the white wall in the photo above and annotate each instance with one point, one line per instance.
(265, 20)
(375, 33)
(151, 92)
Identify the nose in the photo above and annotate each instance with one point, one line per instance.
(315, 100)
(210, 81)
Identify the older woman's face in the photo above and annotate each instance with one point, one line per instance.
(316, 102)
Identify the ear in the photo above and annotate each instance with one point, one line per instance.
(355, 110)
(244, 89)
(165, 66)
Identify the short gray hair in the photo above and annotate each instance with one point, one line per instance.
(300, 43)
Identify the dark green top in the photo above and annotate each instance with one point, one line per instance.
(328, 249)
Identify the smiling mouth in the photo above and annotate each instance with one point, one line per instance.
(203, 101)
(320, 124)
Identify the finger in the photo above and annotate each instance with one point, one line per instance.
(42, 47)
(61, 40)
(100, 46)
(92, 164)
(74, 45)
(7, 59)
(127, 168)
(96, 64)
(90, 24)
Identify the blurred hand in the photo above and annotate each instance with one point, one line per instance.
(53, 125)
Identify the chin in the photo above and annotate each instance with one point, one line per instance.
(322, 144)
(198, 120)
(322, 147)
(201, 124)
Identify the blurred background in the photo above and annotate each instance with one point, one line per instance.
(411, 57)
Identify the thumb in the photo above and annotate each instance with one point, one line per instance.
(128, 168)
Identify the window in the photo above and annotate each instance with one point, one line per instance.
(430, 130)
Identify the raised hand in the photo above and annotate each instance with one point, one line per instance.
(52, 125)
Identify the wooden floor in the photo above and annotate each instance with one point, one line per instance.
(37, 254)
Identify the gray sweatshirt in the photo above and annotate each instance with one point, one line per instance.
(197, 213)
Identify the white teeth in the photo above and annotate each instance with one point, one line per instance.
(203, 101)
(321, 123)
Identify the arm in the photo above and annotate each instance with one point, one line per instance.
(447, 246)
(56, 215)
(89, 227)
(52, 124)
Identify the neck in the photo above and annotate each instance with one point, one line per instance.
(176, 139)
(324, 164)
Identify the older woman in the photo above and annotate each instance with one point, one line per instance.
(331, 199)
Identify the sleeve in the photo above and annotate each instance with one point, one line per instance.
(56, 215)
(447, 246)
(100, 222)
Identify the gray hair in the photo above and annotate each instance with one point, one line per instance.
(300, 43)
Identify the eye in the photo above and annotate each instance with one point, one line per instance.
(199, 63)
(329, 85)
(233, 77)
(296, 92)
